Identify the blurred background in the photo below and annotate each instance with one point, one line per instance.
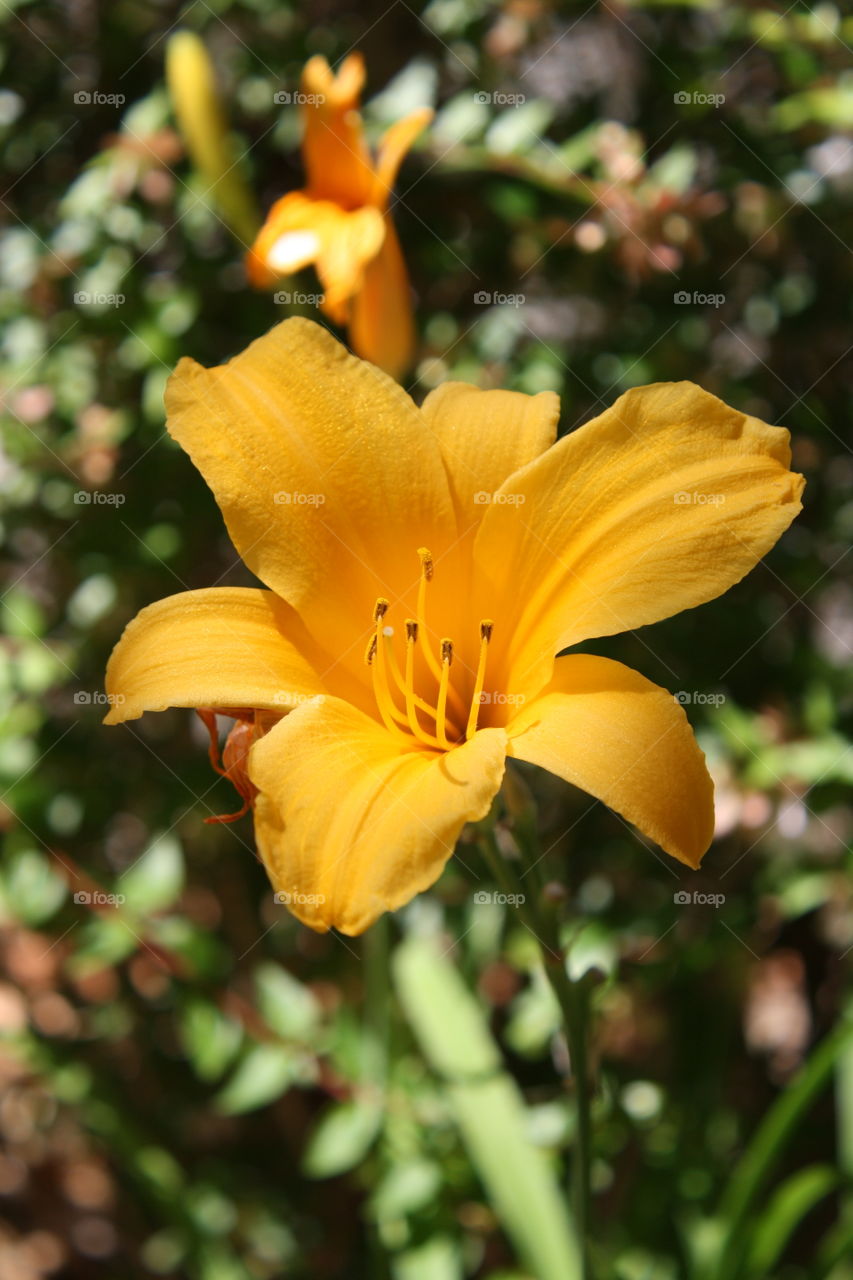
(193, 1085)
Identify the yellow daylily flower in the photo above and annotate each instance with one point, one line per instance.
(423, 568)
(340, 222)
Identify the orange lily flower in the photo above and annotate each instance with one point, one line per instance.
(423, 567)
(340, 222)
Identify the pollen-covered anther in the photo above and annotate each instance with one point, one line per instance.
(444, 684)
(486, 629)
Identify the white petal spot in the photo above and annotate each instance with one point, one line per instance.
(293, 249)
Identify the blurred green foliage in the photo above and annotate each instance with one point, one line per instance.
(194, 1085)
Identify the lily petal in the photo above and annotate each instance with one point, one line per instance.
(661, 503)
(394, 145)
(345, 255)
(336, 155)
(221, 647)
(348, 824)
(323, 471)
(485, 437)
(381, 324)
(300, 231)
(611, 732)
(290, 239)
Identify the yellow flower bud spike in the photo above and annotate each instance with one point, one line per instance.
(191, 81)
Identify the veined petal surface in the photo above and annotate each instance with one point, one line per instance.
(611, 732)
(350, 825)
(663, 502)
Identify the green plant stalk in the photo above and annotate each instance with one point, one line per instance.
(376, 1046)
(571, 998)
(756, 1164)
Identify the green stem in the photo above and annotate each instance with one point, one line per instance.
(540, 919)
(375, 1049)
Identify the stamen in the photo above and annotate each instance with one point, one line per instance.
(375, 658)
(427, 571)
(406, 684)
(441, 710)
(486, 628)
(403, 682)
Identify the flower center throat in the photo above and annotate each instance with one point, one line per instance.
(448, 721)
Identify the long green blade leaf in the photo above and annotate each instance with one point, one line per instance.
(797, 1196)
(757, 1162)
(489, 1110)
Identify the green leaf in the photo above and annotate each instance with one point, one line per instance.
(286, 1006)
(775, 1131)
(444, 1016)
(438, 1259)
(519, 126)
(156, 879)
(103, 941)
(262, 1076)
(407, 1187)
(342, 1138)
(31, 890)
(210, 1039)
(489, 1111)
(794, 1199)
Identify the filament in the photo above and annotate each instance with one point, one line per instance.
(486, 628)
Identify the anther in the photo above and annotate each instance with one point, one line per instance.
(380, 609)
(371, 650)
(427, 564)
(486, 628)
(441, 709)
